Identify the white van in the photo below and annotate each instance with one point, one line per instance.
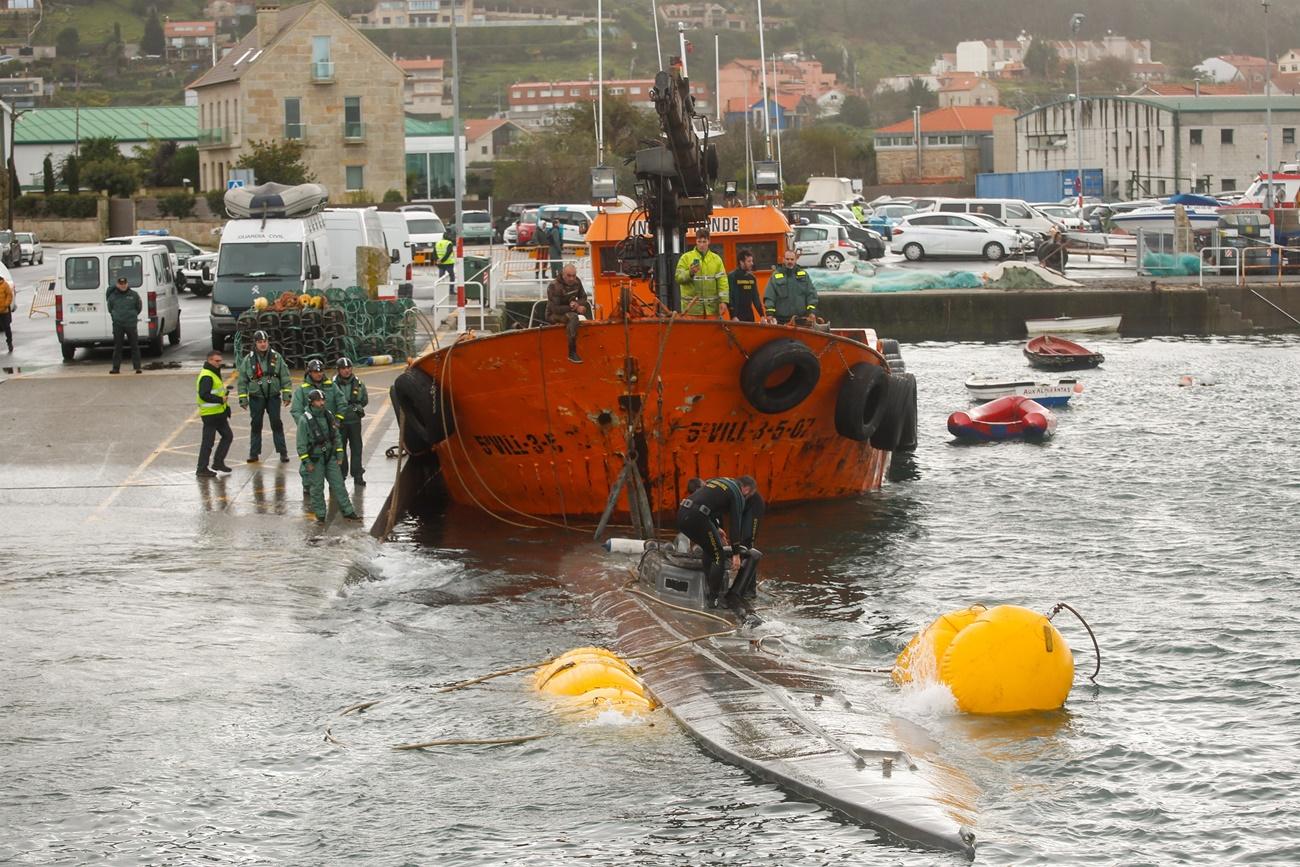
(265, 258)
(573, 219)
(348, 230)
(425, 229)
(397, 238)
(1016, 213)
(85, 276)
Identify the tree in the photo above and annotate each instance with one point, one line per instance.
(152, 42)
(99, 149)
(68, 42)
(48, 170)
(1112, 73)
(893, 106)
(855, 111)
(277, 161)
(70, 173)
(119, 177)
(1042, 59)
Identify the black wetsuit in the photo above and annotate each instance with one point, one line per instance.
(701, 516)
(746, 304)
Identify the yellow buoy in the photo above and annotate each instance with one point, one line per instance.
(573, 657)
(616, 699)
(585, 676)
(1005, 659)
(920, 659)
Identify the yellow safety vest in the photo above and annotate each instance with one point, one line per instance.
(218, 387)
(443, 252)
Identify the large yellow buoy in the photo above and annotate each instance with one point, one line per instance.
(573, 657)
(594, 676)
(1005, 659)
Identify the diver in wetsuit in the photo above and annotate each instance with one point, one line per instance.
(701, 519)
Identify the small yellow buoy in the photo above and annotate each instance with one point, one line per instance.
(1005, 659)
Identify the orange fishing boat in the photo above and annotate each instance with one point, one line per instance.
(522, 433)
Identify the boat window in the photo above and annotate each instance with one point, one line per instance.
(765, 254)
(130, 267)
(81, 272)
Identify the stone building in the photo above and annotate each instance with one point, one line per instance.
(955, 145)
(1156, 145)
(305, 73)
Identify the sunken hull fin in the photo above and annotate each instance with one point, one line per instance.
(788, 726)
(536, 435)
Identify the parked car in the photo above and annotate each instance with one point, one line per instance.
(29, 247)
(424, 230)
(574, 220)
(179, 248)
(1028, 240)
(85, 275)
(1016, 212)
(475, 226)
(873, 246)
(197, 274)
(419, 207)
(885, 215)
(1066, 215)
(10, 251)
(824, 246)
(520, 232)
(959, 235)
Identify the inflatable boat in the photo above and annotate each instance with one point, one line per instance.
(1007, 418)
(1046, 393)
(1056, 353)
(774, 716)
(275, 201)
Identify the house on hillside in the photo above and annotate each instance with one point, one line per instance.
(988, 56)
(955, 145)
(1289, 62)
(427, 90)
(1247, 69)
(401, 14)
(962, 89)
(534, 104)
(742, 79)
(486, 139)
(304, 73)
(189, 40)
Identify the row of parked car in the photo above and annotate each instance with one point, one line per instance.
(20, 248)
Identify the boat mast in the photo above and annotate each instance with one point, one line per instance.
(762, 65)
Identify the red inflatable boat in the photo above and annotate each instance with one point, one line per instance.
(1014, 417)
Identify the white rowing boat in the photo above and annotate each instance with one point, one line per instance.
(1046, 393)
(1073, 325)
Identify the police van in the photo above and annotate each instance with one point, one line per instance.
(81, 284)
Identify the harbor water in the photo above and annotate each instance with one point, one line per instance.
(171, 697)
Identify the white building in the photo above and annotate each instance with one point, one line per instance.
(1155, 145)
(989, 56)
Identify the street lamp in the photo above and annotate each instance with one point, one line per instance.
(1268, 116)
(1076, 21)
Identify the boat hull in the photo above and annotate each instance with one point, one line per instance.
(1046, 393)
(1007, 418)
(1073, 325)
(1162, 223)
(537, 435)
(1055, 353)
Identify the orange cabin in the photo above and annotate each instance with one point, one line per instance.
(762, 229)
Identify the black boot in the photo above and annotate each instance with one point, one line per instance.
(573, 352)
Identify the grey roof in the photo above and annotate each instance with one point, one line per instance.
(226, 68)
(1191, 104)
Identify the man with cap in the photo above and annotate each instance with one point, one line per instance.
(214, 412)
(350, 400)
(124, 306)
(264, 384)
(319, 448)
(314, 379)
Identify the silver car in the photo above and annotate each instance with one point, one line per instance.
(30, 247)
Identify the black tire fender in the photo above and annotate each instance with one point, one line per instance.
(900, 396)
(805, 371)
(862, 401)
(907, 437)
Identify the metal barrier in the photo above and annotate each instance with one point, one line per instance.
(448, 301)
(42, 299)
(1218, 264)
(528, 276)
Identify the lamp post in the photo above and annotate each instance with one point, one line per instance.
(11, 168)
(1076, 21)
(1268, 116)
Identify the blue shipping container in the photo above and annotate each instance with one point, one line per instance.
(1046, 186)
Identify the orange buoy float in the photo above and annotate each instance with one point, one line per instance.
(1005, 659)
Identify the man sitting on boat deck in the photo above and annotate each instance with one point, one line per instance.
(790, 293)
(702, 279)
(566, 301)
(700, 519)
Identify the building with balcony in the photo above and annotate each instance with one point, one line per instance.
(402, 14)
(190, 40)
(534, 104)
(740, 82)
(24, 92)
(305, 73)
(428, 90)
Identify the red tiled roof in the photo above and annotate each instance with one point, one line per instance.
(953, 83)
(479, 127)
(178, 29)
(426, 63)
(965, 118)
(1207, 89)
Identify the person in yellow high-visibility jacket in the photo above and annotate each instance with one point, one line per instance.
(702, 278)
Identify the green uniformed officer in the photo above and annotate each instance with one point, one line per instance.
(350, 401)
(315, 378)
(319, 447)
(790, 293)
(264, 385)
(702, 278)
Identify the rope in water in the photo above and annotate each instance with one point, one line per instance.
(1056, 609)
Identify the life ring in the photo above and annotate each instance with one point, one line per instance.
(420, 409)
(862, 401)
(900, 394)
(775, 355)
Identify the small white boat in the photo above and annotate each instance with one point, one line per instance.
(275, 201)
(1202, 213)
(1057, 393)
(1073, 325)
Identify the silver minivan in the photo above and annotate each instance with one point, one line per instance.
(1014, 212)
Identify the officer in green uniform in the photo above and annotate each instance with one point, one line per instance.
(790, 293)
(264, 384)
(702, 278)
(319, 447)
(315, 379)
(350, 400)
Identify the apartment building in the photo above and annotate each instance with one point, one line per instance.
(534, 104)
(305, 73)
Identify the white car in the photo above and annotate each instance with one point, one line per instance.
(179, 248)
(824, 246)
(1066, 215)
(958, 235)
(198, 272)
(30, 245)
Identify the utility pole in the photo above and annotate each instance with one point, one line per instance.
(1268, 116)
(12, 168)
(1076, 21)
(458, 182)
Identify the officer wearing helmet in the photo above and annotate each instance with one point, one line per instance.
(264, 385)
(350, 398)
(319, 448)
(314, 380)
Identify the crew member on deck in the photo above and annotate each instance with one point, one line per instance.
(702, 278)
(701, 518)
(566, 303)
(745, 303)
(791, 294)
